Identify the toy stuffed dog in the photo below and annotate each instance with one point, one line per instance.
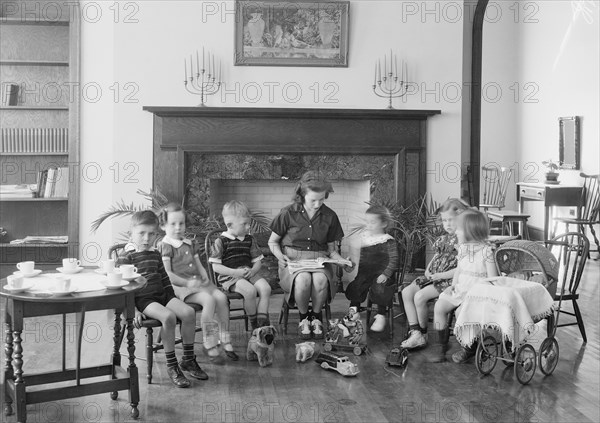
(261, 345)
(304, 351)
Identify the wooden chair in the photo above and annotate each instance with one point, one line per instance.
(149, 324)
(571, 251)
(589, 210)
(231, 296)
(495, 184)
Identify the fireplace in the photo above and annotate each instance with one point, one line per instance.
(212, 155)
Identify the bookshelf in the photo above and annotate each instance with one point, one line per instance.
(39, 60)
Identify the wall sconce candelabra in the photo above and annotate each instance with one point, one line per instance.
(206, 80)
(392, 84)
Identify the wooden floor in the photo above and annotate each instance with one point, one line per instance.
(294, 392)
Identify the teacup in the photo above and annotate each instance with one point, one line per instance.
(15, 281)
(71, 264)
(62, 283)
(128, 270)
(107, 265)
(26, 267)
(114, 278)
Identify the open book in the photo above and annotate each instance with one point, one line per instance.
(307, 265)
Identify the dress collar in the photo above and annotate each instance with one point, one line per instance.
(368, 239)
(176, 242)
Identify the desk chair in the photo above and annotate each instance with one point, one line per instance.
(149, 324)
(589, 212)
(571, 250)
(495, 184)
(231, 296)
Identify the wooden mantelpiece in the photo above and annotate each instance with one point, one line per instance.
(180, 131)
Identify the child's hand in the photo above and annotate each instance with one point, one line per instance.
(349, 268)
(434, 276)
(284, 260)
(427, 273)
(137, 320)
(381, 279)
(195, 282)
(245, 272)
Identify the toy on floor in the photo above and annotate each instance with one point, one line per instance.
(349, 329)
(262, 345)
(304, 351)
(337, 362)
(397, 357)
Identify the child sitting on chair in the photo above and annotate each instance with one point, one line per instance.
(378, 261)
(438, 276)
(157, 299)
(181, 259)
(236, 258)
(475, 262)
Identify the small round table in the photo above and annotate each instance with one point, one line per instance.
(19, 306)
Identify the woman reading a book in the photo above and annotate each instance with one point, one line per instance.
(304, 235)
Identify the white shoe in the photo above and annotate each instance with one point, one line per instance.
(317, 328)
(304, 328)
(379, 323)
(415, 340)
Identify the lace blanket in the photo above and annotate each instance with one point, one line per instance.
(511, 306)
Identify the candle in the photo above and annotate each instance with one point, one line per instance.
(214, 66)
(197, 62)
(405, 72)
(220, 69)
(185, 68)
(375, 77)
(396, 64)
(384, 65)
(379, 69)
(191, 68)
(391, 63)
(209, 64)
(202, 59)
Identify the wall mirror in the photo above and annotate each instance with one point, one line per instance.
(569, 142)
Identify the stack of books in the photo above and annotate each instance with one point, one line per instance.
(53, 183)
(17, 191)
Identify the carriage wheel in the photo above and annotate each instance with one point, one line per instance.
(357, 350)
(324, 365)
(549, 353)
(486, 355)
(525, 364)
(327, 346)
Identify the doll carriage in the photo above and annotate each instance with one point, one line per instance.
(505, 312)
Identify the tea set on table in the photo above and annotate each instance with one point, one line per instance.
(61, 283)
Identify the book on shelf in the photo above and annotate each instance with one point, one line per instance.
(53, 183)
(307, 265)
(42, 239)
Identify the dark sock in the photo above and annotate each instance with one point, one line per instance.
(318, 316)
(354, 304)
(414, 327)
(253, 321)
(171, 359)
(303, 316)
(262, 319)
(188, 351)
(381, 309)
(423, 330)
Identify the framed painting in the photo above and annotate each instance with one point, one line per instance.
(285, 33)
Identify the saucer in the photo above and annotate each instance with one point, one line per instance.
(121, 285)
(28, 275)
(69, 272)
(58, 293)
(25, 287)
(100, 271)
(132, 277)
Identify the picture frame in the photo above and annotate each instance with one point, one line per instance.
(286, 33)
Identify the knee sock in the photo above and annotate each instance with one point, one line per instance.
(263, 319)
(171, 359)
(188, 351)
(253, 321)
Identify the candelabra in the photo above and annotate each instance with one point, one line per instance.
(391, 85)
(207, 80)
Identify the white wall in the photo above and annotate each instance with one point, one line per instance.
(145, 59)
(551, 48)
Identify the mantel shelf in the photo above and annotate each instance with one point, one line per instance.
(304, 113)
(16, 62)
(4, 20)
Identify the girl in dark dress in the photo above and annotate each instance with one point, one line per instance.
(378, 261)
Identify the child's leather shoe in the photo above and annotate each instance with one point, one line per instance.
(192, 367)
(177, 377)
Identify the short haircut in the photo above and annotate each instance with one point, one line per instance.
(382, 212)
(163, 215)
(311, 181)
(454, 205)
(144, 217)
(474, 224)
(233, 209)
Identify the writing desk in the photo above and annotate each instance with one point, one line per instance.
(26, 304)
(552, 196)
